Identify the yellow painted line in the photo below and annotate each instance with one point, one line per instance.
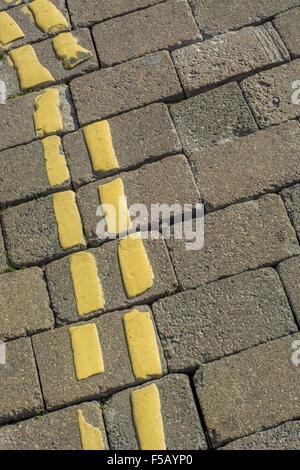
(87, 352)
(47, 17)
(9, 30)
(146, 410)
(116, 212)
(142, 344)
(68, 220)
(56, 165)
(69, 51)
(47, 117)
(91, 438)
(31, 72)
(86, 283)
(100, 146)
(135, 267)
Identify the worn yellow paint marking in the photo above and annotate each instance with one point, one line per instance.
(30, 71)
(27, 12)
(100, 146)
(142, 344)
(86, 283)
(135, 266)
(9, 30)
(91, 437)
(68, 219)
(69, 51)
(47, 117)
(56, 165)
(115, 209)
(146, 409)
(47, 17)
(87, 352)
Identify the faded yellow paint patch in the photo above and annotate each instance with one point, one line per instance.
(9, 30)
(69, 51)
(31, 72)
(86, 283)
(47, 17)
(87, 352)
(146, 410)
(114, 204)
(135, 266)
(56, 165)
(100, 146)
(91, 437)
(142, 344)
(27, 12)
(47, 117)
(68, 219)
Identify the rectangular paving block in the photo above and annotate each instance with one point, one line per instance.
(261, 162)
(241, 237)
(178, 417)
(55, 354)
(287, 24)
(289, 272)
(220, 16)
(212, 118)
(3, 264)
(61, 282)
(131, 36)
(291, 199)
(250, 391)
(59, 430)
(127, 86)
(139, 188)
(42, 230)
(20, 394)
(137, 137)
(222, 318)
(270, 94)
(229, 56)
(16, 118)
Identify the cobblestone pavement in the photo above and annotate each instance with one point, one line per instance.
(140, 343)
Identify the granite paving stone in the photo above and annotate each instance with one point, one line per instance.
(127, 86)
(54, 355)
(223, 318)
(54, 431)
(20, 394)
(287, 24)
(212, 118)
(250, 391)
(3, 264)
(4, 4)
(138, 136)
(261, 162)
(289, 272)
(131, 36)
(182, 427)
(241, 237)
(291, 199)
(270, 94)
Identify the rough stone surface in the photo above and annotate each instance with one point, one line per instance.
(54, 357)
(4, 4)
(20, 394)
(139, 136)
(291, 199)
(219, 16)
(61, 287)
(227, 57)
(169, 181)
(126, 86)
(16, 118)
(261, 162)
(23, 174)
(287, 25)
(223, 318)
(181, 422)
(270, 94)
(31, 233)
(3, 264)
(289, 272)
(262, 390)
(241, 237)
(54, 431)
(212, 118)
(132, 35)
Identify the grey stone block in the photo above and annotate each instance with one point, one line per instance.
(3, 264)
(287, 24)
(289, 272)
(5, 5)
(291, 199)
